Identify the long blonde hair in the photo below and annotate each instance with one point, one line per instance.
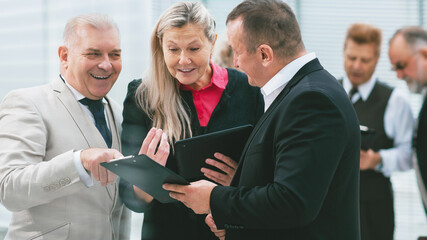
(158, 95)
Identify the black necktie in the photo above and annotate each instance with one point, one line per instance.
(96, 107)
(353, 90)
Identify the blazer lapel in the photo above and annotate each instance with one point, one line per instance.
(87, 128)
(313, 65)
(83, 122)
(113, 124)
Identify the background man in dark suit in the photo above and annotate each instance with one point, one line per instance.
(386, 110)
(408, 55)
(298, 177)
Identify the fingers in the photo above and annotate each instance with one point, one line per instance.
(195, 196)
(227, 160)
(103, 176)
(173, 188)
(149, 146)
(151, 151)
(179, 196)
(91, 159)
(226, 164)
(176, 192)
(221, 166)
(111, 177)
(210, 222)
(163, 151)
(147, 141)
(116, 154)
(217, 177)
(93, 168)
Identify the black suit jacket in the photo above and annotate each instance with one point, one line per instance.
(299, 175)
(421, 143)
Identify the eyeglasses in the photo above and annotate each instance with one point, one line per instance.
(403, 65)
(399, 66)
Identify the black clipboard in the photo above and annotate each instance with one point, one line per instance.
(146, 174)
(191, 153)
(367, 137)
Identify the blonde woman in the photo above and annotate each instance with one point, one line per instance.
(183, 94)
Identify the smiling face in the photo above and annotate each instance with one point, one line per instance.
(360, 61)
(187, 52)
(93, 63)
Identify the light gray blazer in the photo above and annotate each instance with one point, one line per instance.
(40, 127)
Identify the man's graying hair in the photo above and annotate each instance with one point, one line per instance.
(97, 21)
(415, 37)
(270, 22)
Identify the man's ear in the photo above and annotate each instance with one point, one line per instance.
(63, 56)
(266, 53)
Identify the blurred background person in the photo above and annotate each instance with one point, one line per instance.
(183, 94)
(408, 55)
(223, 54)
(385, 110)
(54, 136)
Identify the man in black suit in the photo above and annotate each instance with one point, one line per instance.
(408, 55)
(298, 177)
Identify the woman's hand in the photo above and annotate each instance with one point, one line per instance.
(150, 143)
(226, 164)
(148, 147)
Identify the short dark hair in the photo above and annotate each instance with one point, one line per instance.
(413, 35)
(270, 22)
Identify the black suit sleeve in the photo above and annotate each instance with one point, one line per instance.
(308, 135)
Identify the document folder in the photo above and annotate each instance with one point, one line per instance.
(191, 153)
(146, 174)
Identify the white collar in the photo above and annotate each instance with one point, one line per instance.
(286, 74)
(364, 90)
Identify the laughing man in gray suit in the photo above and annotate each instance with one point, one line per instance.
(53, 138)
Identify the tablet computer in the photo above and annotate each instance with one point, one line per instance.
(191, 153)
(146, 174)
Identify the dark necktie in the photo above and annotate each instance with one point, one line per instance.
(96, 107)
(353, 90)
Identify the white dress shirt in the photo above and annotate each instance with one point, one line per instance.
(398, 125)
(275, 85)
